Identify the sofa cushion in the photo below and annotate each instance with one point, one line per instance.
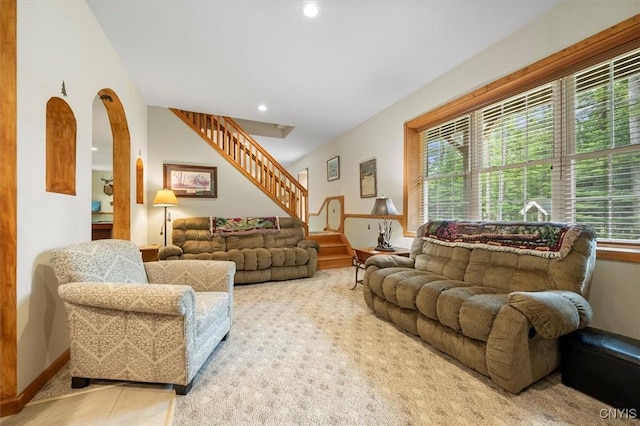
(427, 298)
(236, 257)
(478, 312)
(376, 280)
(250, 259)
(263, 258)
(216, 255)
(280, 257)
(288, 256)
(302, 256)
(451, 301)
(450, 262)
(193, 236)
(196, 247)
(287, 237)
(402, 288)
(239, 242)
(219, 255)
(291, 231)
(509, 271)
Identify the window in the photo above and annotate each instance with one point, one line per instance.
(604, 153)
(516, 146)
(446, 152)
(565, 148)
(521, 163)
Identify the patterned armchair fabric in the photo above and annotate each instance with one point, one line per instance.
(148, 322)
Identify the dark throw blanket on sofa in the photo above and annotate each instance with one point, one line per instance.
(244, 225)
(545, 239)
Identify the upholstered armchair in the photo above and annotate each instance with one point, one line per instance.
(147, 322)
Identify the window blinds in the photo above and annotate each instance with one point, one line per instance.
(565, 151)
(603, 181)
(446, 168)
(517, 150)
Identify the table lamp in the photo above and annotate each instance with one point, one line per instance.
(384, 207)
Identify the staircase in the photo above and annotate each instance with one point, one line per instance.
(335, 250)
(248, 157)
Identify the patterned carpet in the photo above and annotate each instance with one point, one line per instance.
(309, 351)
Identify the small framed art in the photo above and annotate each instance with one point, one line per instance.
(333, 168)
(368, 183)
(191, 181)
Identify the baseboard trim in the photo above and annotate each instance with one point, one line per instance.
(11, 406)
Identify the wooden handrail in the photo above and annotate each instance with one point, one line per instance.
(251, 159)
(325, 203)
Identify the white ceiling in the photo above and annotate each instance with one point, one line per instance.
(323, 76)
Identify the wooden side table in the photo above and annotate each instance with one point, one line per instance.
(149, 253)
(362, 254)
(101, 230)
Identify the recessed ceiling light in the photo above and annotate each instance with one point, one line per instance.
(93, 148)
(310, 10)
(262, 108)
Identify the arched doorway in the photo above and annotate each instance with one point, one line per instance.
(121, 164)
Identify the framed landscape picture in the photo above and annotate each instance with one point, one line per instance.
(333, 168)
(191, 181)
(368, 183)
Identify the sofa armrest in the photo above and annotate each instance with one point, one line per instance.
(552, 313)
(389, 261)
(148, 298)
(201, 275)
(307, 244)
(169, 252)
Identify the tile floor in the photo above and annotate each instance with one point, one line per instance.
(120, 404)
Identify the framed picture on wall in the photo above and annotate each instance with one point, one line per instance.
(368, 182)
(333, 168)
(191, 181)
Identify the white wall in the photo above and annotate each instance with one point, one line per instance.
(173, 142)
(60, 41)
(615, 297)
(382, 137)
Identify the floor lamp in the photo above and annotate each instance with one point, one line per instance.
(165, 198)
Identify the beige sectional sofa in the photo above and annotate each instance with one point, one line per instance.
(260, 255)
(497, 307)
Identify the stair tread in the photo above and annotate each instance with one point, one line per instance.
(333, 241)
(335, 256)
(332, 245)
(324, 237)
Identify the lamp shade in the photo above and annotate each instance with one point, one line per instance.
(165, 198)
(384, 207)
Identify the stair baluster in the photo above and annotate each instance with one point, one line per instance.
(246, 155)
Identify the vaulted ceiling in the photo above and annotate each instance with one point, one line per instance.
(322, 75)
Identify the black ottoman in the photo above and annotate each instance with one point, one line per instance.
(603, 365)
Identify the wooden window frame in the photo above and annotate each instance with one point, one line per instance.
(600, 47)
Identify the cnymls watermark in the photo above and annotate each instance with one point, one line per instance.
(617, 413)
